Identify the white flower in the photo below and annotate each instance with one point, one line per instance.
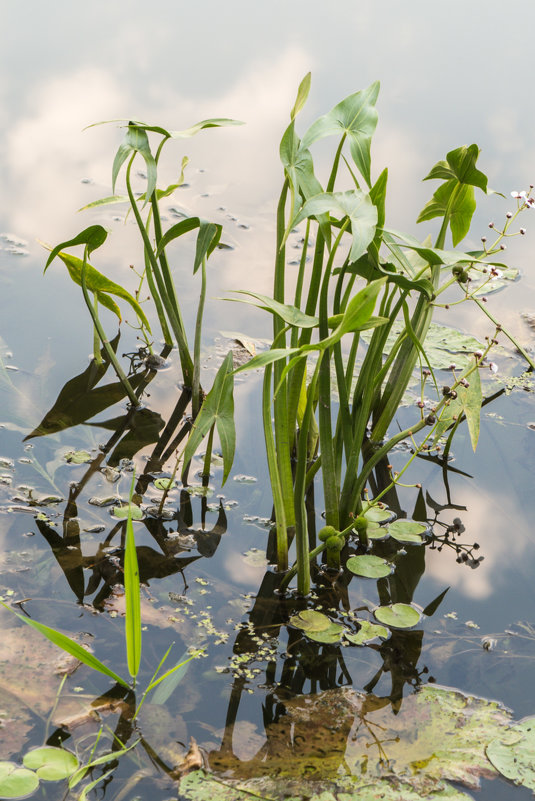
(493, 367)
(530, 201)
(518, 195)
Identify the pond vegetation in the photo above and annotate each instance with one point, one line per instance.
(355, 349)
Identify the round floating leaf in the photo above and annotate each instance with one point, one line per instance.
(407, 531)
(399, 616)
(78, 457)
(164, 483)
(513, 754)
(16, 782)
(122, 511)
(369, 566)
(368, 631)
(329, 636)
(51, 764)
(309, 620)
(375, 531)
(377, 514)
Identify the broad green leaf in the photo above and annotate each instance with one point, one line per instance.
(368, 631)
(328, 636)
(358, 312)
(98, 283)
(369, 566)
(456, 195)
(218, 408)
(399, 616)
(299, 168)
(431, 255)
(471, 399)
(128, 511)
(16, 782)
(513, 753)
(93, 237)
(51, 764)
(377, 514)
(207, 239)
(70, 646)
(290, 314)
(460, 164)
(132, 594)
(310, 620)
(356, 118)
(355, 205)
(407, 531)
(136, 141)
(165, 483)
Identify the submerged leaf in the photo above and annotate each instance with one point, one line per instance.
(513, 753)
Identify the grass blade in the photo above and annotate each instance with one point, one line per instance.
(132, 596)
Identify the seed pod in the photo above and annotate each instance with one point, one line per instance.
(326, 532)
(335, 543)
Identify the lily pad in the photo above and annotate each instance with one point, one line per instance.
(399, 616)
(16, 782)
(310, 620)
(513, 753)
(369, 566)
(368, 631)
(122, 511)
(376, 532)
(329, 636)
(407, 531)
(165, 483)
(51, 764)
(377, 514)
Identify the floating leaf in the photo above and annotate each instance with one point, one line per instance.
(375, 531)
(310, 620)
(407, 531)
(513, 753)
(165, 483)
(399, 616)
(329, 636)
(369, 566)
(368, 631)
(77, 457)
(122, 511)
(51, 764)
(377, 514)
(16, 782)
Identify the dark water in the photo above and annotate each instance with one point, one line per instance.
(94, 65)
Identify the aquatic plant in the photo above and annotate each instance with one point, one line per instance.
(338, 370)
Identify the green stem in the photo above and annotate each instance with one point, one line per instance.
(196, 399)
(103, 338)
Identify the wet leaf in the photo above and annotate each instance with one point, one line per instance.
(399, 616)
(310, 620)
(513, 753)
(407, 531)
(16, 782)
(368, 631)
(123, 511)
(51, 764)
(329, 636)
(376, 514)
(369, 566)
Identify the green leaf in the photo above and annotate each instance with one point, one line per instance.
(310, 620)
(98, 283)
(368, 631)
(93, 237)
(407, 531)
(471, 399)
(455, 198)
(369, 566)
(268, 357)
(356, 118)
(16, 782)
(128, 511)
(398, 616)
(207, 239)
(376, 514)
(513, 753)
(329, 636)
(355, 205)
(70, 646)
(357, 314)
(136, 141)
(290, 314)
(218, 408)
(51, 764)
(302, 95)
(132, 594)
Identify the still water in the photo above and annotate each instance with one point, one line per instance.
(450, 74)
